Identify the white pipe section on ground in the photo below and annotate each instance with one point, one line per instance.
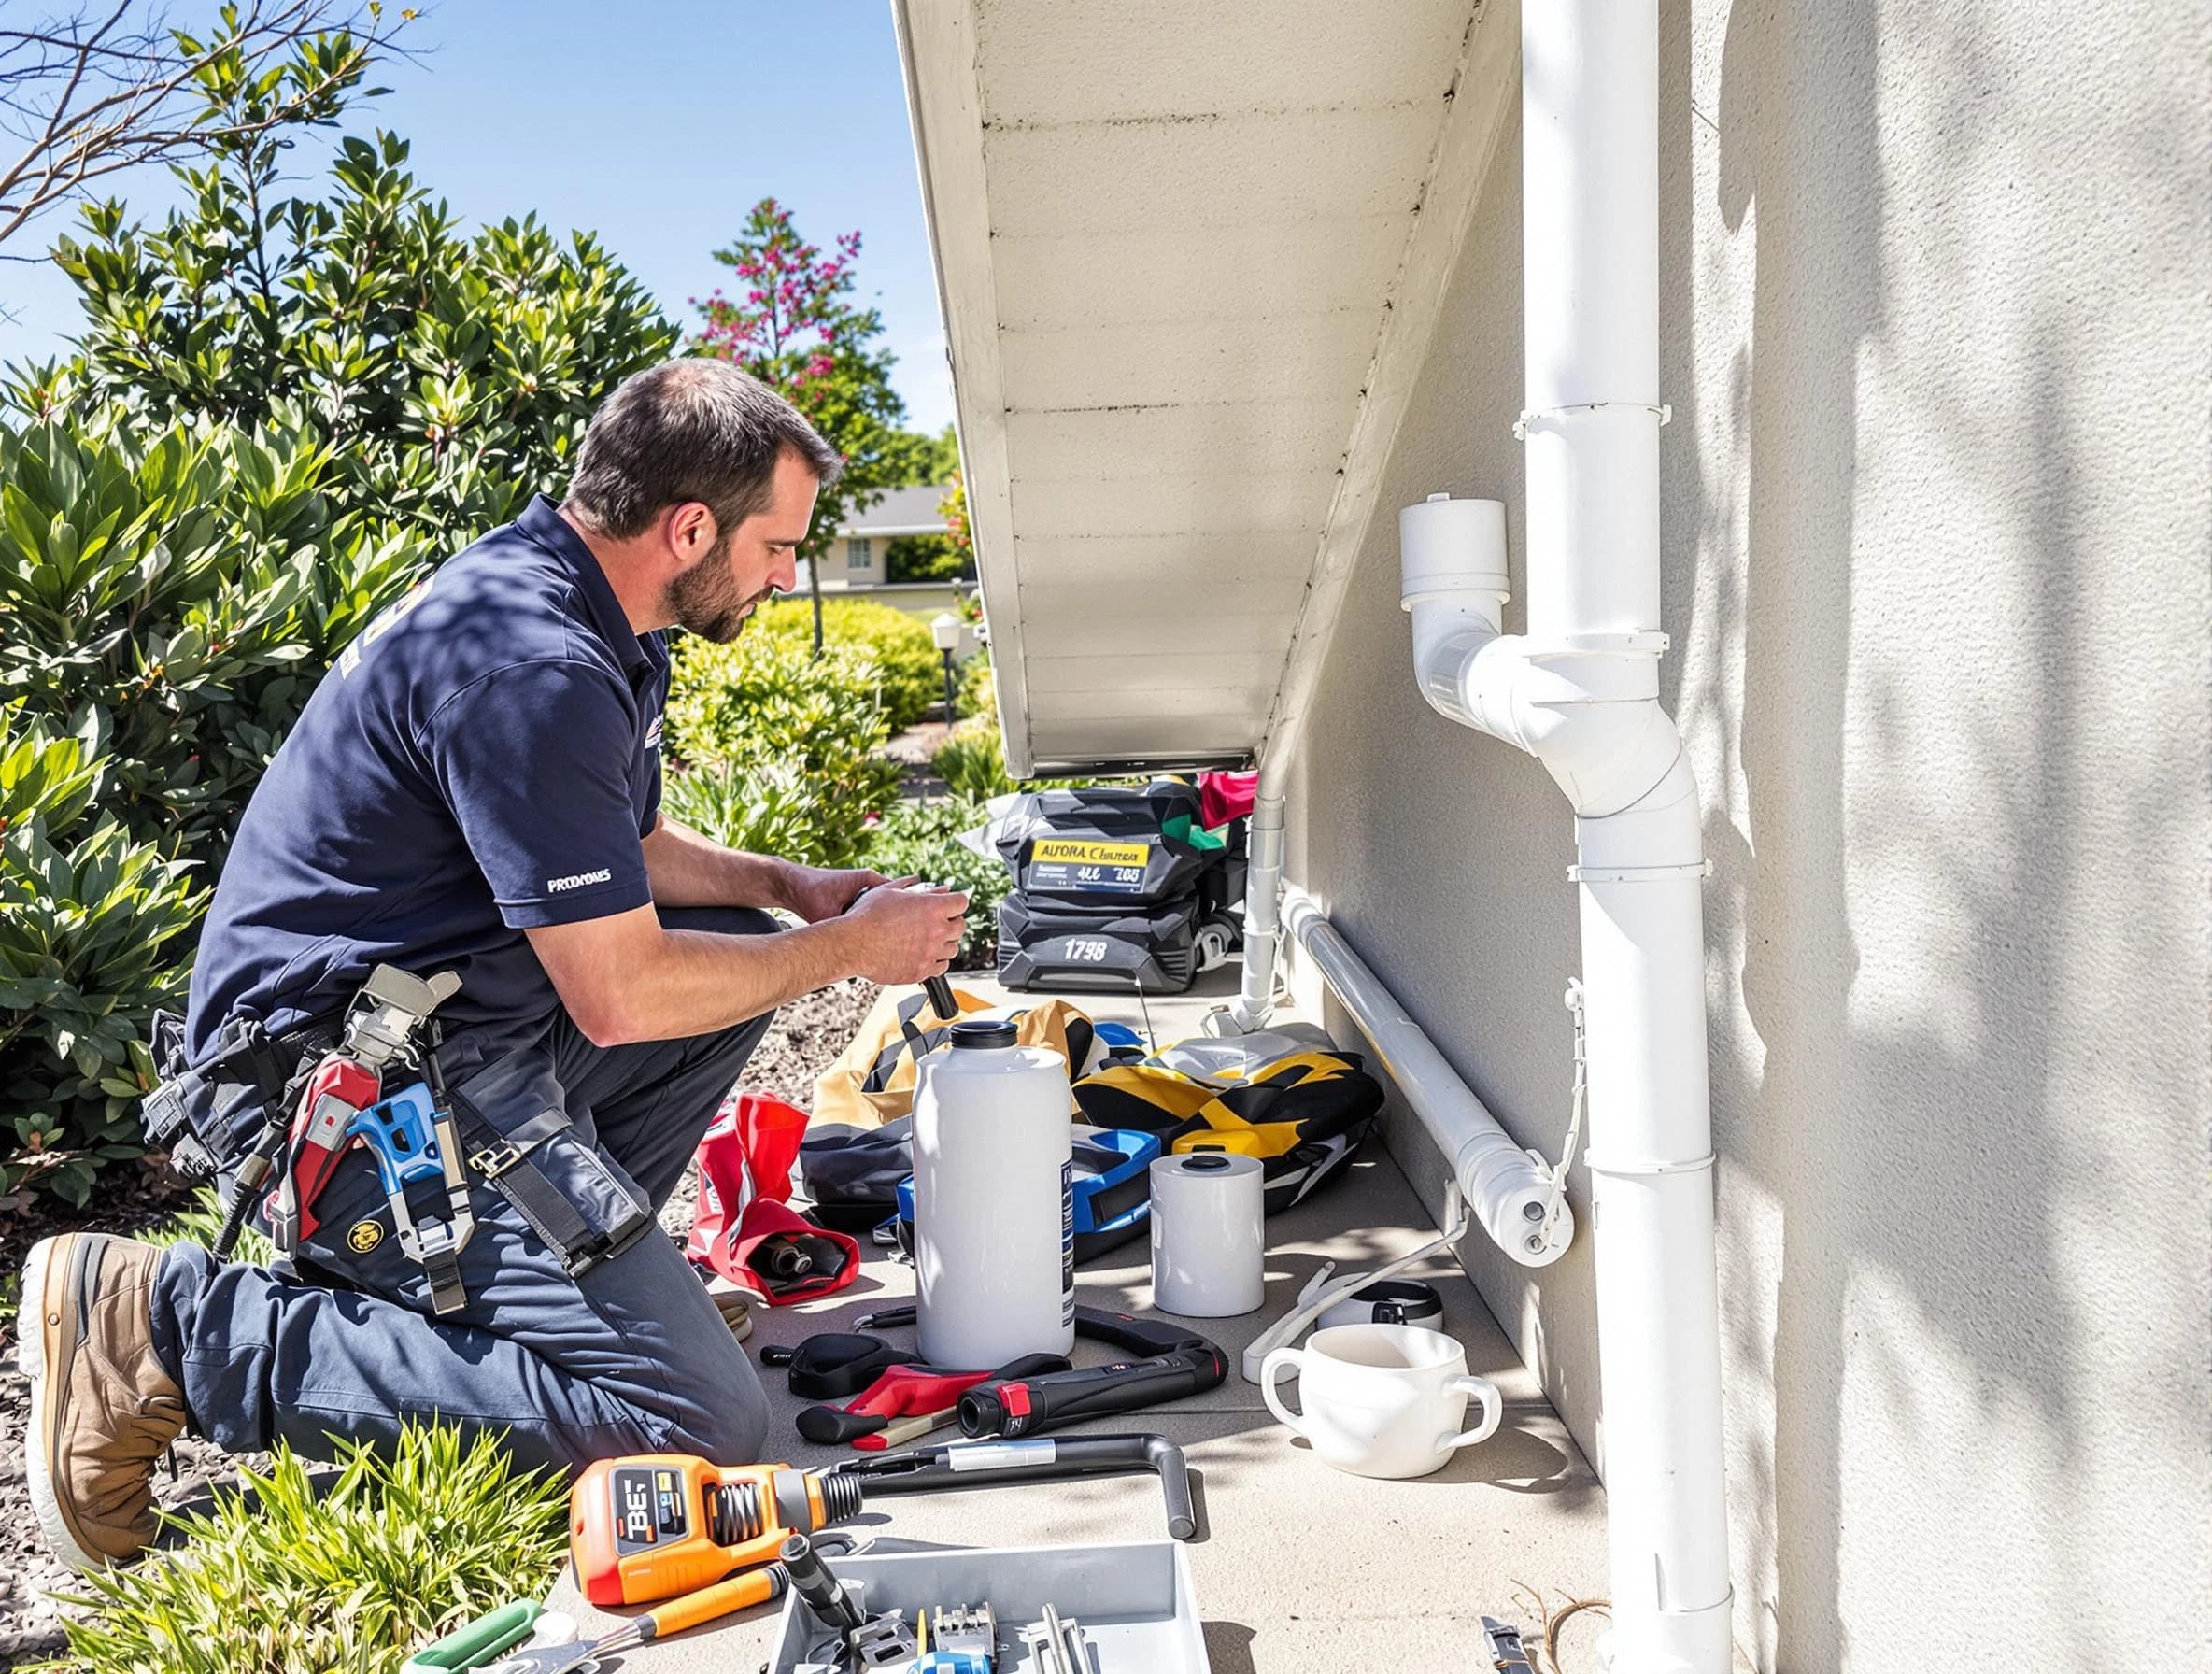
(1508, 1189)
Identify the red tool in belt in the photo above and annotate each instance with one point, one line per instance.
(380, 1030)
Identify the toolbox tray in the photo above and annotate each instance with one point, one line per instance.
(1133, 1601)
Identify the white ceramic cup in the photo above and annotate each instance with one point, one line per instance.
(1381, 1400)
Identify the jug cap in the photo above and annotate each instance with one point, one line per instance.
(979, 1032)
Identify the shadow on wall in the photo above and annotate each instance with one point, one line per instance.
(1915, 1152)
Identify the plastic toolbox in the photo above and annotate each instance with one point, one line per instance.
(1133, 1603)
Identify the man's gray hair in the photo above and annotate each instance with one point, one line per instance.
(695, 429)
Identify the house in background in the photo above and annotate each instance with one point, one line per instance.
(858, 559)
(1226, 287)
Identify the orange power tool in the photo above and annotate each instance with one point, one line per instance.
(651, 1525)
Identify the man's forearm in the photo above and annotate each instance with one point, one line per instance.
(687, 869)
(695, 982)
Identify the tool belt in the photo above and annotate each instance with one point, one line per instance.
(582, 1210)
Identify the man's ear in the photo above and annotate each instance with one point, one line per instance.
(690, 531)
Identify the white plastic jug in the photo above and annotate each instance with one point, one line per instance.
(994, 1219)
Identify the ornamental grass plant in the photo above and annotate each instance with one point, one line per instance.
(345, 1573)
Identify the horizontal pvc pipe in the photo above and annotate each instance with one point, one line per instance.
(1508, 1189)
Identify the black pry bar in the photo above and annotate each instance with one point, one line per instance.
(1049, 1458)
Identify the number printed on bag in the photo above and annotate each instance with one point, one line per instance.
(1087, 950)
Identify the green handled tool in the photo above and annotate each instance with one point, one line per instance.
(479, 1643)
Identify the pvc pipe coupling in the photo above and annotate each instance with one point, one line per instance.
(1586, 705)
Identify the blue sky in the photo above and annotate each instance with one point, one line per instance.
(655, 125)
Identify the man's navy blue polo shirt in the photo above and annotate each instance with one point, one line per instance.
(483, 760)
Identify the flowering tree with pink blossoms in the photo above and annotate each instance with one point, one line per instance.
(789, 319)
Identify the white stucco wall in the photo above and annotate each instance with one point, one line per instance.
(1937, 518)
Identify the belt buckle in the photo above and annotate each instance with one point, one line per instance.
(496, 1159)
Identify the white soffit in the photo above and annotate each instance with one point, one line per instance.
(1189, 254)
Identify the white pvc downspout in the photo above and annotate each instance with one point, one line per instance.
(1579, 693)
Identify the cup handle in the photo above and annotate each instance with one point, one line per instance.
(1270, 1372)
(1485, 1392)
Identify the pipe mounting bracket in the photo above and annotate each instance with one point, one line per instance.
(1532, 417)
(1638, 875)
(1604, 1162)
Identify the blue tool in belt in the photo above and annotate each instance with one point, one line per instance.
(412, 1136)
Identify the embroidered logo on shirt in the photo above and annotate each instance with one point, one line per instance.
(555, 886)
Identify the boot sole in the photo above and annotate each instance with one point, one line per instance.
(60, 1290)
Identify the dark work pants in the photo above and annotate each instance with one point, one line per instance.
(629, 1356)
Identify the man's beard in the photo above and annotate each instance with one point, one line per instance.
(704, 599)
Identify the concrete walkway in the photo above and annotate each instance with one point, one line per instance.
(1296, 1567)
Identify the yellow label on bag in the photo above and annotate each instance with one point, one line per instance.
(1082, 852)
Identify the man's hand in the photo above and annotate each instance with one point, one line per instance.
(817, 892)
(906, 934)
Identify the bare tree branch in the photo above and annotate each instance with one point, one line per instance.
(94, 92)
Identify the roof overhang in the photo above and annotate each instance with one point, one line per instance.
(1189, 256)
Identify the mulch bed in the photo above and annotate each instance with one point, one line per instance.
(807, 1035)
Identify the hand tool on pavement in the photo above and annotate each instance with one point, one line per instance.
(833, 1365)
(653, 1526)
(693, 1609)
(379, 1032)
(904, 1390)
(900, 1431)
(473, 1644)
(958, 1465)
(1176, 1362)
(1508, 1655)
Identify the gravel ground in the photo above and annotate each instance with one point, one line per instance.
(807, 1035)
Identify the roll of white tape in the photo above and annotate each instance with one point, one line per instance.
(1209, 1241)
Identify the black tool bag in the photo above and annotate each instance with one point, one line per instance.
(1112, 888)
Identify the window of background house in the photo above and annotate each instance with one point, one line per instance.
(856, 555)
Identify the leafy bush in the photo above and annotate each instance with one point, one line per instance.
(971, 762)
(977, 694)
(922, 840)
(450, 376)
(283, 412)
(924, 558)
(906, 658)
(166, 591)
(777, 748)
(345, 1577)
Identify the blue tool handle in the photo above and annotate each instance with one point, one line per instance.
(399, 1133)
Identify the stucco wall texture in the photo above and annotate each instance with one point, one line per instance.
(1938, 523)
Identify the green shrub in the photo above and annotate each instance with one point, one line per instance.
(345, 1576)
(924, 558)
(977, 695)
(922, 840)
(283, 411)
(912, 672)
(776, 748)
(166, 590)
(971, 762)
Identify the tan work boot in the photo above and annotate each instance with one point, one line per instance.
(101, 1408)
